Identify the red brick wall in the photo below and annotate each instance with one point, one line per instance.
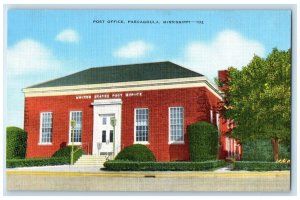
(197, 103)
(60, 106)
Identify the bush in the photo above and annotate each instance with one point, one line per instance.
(260, 166)
(136, 152)
(203, 141)
(114, 165)
(16, 143)
(65, 152)
(12, 163)
(261, 150)
(284, 152)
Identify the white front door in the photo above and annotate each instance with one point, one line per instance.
(105, 134)
(104, 110)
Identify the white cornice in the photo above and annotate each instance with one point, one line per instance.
(190, 82)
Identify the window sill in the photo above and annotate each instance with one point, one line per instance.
(145, 143)
(177, 142)
(44, 144)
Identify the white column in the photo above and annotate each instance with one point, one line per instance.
(218, 120)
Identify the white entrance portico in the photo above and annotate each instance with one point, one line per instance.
(104, 111)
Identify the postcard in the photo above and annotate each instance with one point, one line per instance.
(148, 100)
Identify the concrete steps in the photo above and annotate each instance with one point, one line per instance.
(91, 160)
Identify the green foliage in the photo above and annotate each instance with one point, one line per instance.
(260, 166)
(260, 98)
(136, 152)
(285, 152)
(259, 150)
(203, 141)
(12, 163)
(163, 166)
(16, 143)
(65, 152)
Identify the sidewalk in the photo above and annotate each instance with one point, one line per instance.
(86, 178)
(96, 169)
(57, 168)
(73, 168)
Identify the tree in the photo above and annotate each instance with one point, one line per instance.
(259, 99)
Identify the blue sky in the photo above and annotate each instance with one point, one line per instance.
(45, 44)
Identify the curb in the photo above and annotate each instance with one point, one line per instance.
(152, 175)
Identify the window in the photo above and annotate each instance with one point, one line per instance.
(141, 125)
(46, 128)
(111, 136)
(176, 124)
(103, 136)
(104, 121)
(77, 116)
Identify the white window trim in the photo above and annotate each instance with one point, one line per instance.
(70, 117)
(134, 126)
(175, 142)
(41, 122)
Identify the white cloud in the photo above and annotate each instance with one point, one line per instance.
(229, 48)
(67, 35)
(29, 56)
(134, 49)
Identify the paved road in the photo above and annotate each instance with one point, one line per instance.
(154, 181)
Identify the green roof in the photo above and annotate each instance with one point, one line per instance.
(122, 73)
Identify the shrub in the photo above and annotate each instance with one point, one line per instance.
(65, 152)
(203, 141)
(136, 152)
(115, 165)
(12, 163)
(260, 166)
(284, 152)
(16, 143)
(261, 150)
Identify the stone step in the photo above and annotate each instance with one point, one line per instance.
(89, 164)
(97, 161)
(90, 156)
(91, 160)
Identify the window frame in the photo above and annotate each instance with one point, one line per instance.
(41, 127)
(135, 124)
(183, 125)
(70, 128)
